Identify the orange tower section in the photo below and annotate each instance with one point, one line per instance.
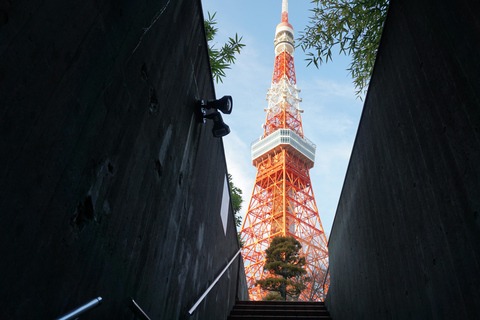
(282, 201)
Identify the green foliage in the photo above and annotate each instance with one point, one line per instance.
(353, 26)
(237, 205)
(285, 266)
(221, 59)
(272, 296)
(236, 201)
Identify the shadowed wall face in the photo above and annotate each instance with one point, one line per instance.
(405, 243)
(108, 185)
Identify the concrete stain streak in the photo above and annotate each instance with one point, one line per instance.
(155, 19)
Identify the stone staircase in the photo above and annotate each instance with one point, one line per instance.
(266, 310)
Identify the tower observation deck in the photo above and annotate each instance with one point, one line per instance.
(282, 202)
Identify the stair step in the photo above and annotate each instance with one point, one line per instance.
(286, 310)
(279, 307)
(279, 312)
(236, 317)
(253, 302)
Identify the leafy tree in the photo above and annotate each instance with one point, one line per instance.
(285, 267)
(221, 59)
(237, 205)
(273, 296)
(353, 26)
(316, 285)
(236, 201)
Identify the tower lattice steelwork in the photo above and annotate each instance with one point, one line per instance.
(282, 201)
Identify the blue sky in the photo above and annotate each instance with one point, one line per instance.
(332, 111)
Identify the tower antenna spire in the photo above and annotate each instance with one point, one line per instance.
(284, 10)
(282, 202)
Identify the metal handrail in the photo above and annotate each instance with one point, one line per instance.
(213, 284)
(139, 311)
(75, 313)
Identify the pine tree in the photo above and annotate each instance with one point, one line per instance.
(285, 268)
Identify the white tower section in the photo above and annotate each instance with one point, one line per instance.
(283, 92)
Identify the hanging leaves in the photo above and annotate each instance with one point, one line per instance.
(221, 59)
(352, 26)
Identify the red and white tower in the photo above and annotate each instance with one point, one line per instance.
(282, 201)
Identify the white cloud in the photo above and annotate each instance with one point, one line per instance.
(239, 165)
(330, 156)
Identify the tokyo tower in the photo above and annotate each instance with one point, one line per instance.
(282, 202)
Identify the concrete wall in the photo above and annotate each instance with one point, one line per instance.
(405, 243)
(108, 185)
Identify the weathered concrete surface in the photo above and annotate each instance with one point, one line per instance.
(405, 243)
(108, 186)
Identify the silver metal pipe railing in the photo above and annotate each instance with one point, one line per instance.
(213, 284)
(79, 311)
(139, 310)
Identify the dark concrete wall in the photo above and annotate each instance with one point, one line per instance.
(108, 185)
(405, 243)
